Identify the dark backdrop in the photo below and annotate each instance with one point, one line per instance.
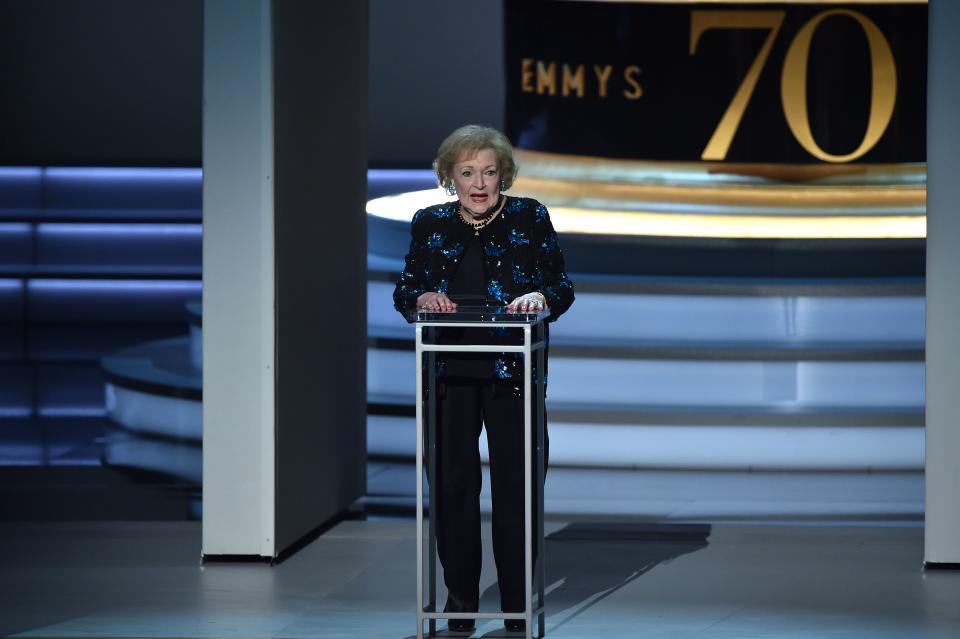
(109, 82)
(118, 82)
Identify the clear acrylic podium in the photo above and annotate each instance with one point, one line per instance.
(532, 349)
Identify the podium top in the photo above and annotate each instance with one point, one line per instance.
(473, 314)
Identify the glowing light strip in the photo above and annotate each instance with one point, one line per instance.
(777, 196)
(603, 222)
(15, 411)
(562, 166)
(14, 227)
(20, 172)
(568, 220)
(120, 228)
(400, 174)
(125, 173)
(72, 411)
(116, 285)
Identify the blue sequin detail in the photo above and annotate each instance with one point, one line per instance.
(519, 276)
(453, 250)
(518, 237)
(549, 242)
(443, 211)
(495, 290)
(492, 249)
(501, 368)
(435, 252)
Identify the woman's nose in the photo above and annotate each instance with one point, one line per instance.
(479, 180)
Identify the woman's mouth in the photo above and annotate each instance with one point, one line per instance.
(479, 197)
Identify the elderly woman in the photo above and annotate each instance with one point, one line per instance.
(501, 250)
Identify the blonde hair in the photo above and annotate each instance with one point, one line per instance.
(473, 138)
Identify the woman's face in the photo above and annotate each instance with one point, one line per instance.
(477, 178)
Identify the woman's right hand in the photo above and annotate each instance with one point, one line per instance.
(435, 303)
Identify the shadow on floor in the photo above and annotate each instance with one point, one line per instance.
(587, 561)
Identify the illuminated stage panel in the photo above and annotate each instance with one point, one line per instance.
(773, 224)
(793, 320)
(769, 447)
(627, 198)
(720, 386)
(153, 389)
(599, 169)
(621, 197)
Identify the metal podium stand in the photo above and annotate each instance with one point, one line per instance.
(532, 326)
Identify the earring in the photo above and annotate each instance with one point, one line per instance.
(450, 188)
(503, 186)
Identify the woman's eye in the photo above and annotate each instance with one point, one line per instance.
(465, 174)
(491, 173)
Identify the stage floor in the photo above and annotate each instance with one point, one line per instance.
(622, 579)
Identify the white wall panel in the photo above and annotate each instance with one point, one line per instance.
(238, 280)
(942, 531)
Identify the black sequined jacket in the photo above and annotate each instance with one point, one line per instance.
(521, 254)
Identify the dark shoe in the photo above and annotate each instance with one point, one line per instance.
(456, 604)
(515, 625)
(461, 625)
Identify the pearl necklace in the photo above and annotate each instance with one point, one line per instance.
(485, 219)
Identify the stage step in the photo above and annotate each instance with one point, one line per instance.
(717, 446)
(681, 495)
(703, 374)
(778, 384)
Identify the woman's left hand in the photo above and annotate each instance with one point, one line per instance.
(529, 303)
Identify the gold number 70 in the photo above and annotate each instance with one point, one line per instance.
(793, 79)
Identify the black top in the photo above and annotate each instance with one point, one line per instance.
(468, 286)
(469, 279)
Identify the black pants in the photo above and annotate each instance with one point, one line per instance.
(463, 408)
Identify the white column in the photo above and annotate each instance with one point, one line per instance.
(238, 280)
(942, 541)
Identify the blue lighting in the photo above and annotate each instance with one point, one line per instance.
(20, 172)
(400, 174)
(10, 284)
(115, 285)
(192, 230)
(15, 411)
(129, 173)
(14, 227)
(72, 411)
